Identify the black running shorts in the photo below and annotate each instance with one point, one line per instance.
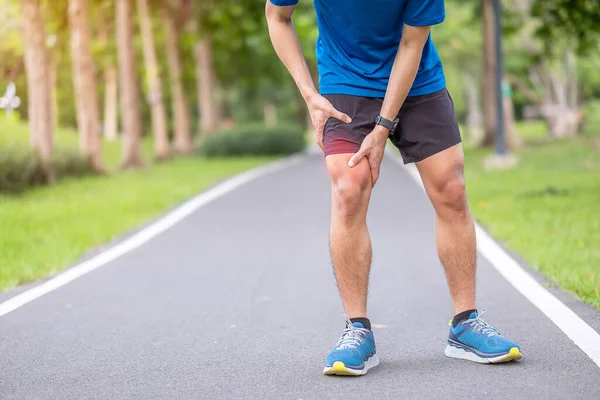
(427, 125)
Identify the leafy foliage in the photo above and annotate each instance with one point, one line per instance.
(249, 73)
(254, 140)
(575, 19)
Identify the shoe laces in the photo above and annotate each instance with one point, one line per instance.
(352, 336)
(480, 325)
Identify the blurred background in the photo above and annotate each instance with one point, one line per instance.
(115, 110)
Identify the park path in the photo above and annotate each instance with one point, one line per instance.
(238, 301)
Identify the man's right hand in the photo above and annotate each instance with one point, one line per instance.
(288, 48)
(321, 110)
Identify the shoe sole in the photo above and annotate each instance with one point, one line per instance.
(454, 352)
(339, 368)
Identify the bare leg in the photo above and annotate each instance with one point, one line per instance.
(442, 175)
(349, 240)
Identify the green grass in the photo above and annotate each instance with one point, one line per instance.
(47, 229)
(547, 209)
(532, 131)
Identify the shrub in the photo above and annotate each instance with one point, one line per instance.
(20, 169)
(254, 140)
(591, 118)
(68, 163)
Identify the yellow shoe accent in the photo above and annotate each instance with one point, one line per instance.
(513, 355)
(339, 368)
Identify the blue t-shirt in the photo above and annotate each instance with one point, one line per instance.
(358, 42)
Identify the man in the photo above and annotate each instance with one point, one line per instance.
(381, 76)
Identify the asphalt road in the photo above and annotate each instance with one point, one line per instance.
(238, 301)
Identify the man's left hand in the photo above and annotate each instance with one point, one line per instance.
(372, 149)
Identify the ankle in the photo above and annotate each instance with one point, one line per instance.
(362, 320)
(463, 315)
(463, 307)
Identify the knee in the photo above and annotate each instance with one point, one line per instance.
(450, 194)
(350, 192)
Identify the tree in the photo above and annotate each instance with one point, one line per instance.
(489, 85)
(105, 51)
(11, 45)
(183, 138)
(460, 51)
(235, 61)
(489, 73)
(60, 64)
(545, 75)
(206, 79)
(233, 53)
(111, 112)
(575, 19)
(130, 111)
(54, 61)
(154, 84)
(195, 19)
(38, 82)
(84, 79)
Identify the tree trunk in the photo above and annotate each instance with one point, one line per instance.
(110, 123)
(559, 104)
(206, 91)
(183, 137)
(130, 111)
(566, 125)
(270, 113)
(110, 103)
(206, 80)
(54, 89)
(563, 121)
(198, 75)
(38, 82)
(84, 79)
(474, 113)
(154, 89)
(489, 73)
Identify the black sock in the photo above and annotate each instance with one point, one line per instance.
(462, 316)
(364, 321)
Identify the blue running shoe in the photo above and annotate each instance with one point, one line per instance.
(354, 354)
(475, 340)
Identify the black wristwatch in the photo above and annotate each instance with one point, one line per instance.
(386, 123)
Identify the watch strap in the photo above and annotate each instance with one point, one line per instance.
(386, 123)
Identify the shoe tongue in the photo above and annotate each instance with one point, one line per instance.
(473, 315)
(357, 325)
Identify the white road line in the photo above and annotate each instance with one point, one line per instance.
(145, 235)
(583, 335)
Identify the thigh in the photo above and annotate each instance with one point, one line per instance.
(441, 168)
(427, 125)
(346, 138)
(442, 176)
